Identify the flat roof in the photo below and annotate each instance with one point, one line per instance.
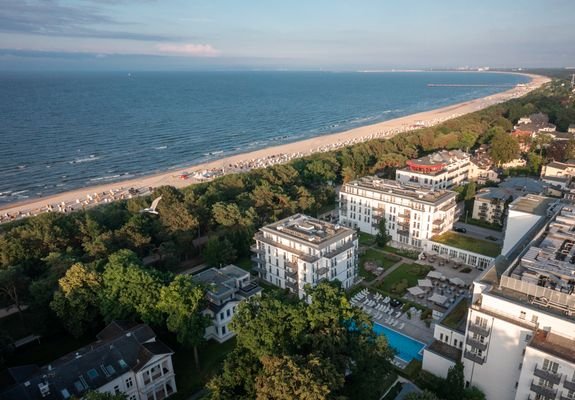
(310, 230)
(532, 204)
(411, 192)
(554, 344)
(219, 281)
(441, 157)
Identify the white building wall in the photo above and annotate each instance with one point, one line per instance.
(535, 358)
(436, 364)
(517, 224)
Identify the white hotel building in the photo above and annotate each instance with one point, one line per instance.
(520, 329)
(301, 250)
(413, 214)
(441, 170)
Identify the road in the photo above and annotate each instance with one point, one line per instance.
(478, 232)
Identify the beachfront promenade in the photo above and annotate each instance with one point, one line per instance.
(92, 196)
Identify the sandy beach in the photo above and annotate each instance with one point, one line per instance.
(91, 196)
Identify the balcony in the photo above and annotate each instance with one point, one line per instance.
(404, 224)
(569, 385)
(259, 269)
(474, 357)
(291, 263)
(346, 246)
(404, 215)
(480, 330)
(378, 211)
(566, 398)
(550, 376)
(403, 232)
(304, 256)
(254, 249)
(291, 273)
(292, 285)
(477, 344)
(543, 391)
(322, 271)
(258, 260)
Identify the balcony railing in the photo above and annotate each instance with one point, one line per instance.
(480, 330)
(477, 344)
(258, 260)
(346, 246)
(255, 249)
(291, 273)
(259, 269)
(474, 357)
(569, 385)
(403, 232)
(306, 257)
(292, 285)
(291, 263)
(543, 391)
(550, 376)
(566, 398)
(322, 271)
(404, 215)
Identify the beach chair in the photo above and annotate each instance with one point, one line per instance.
(398, 314)
(401, 326)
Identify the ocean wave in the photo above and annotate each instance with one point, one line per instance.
(160, 148)
(92, 157)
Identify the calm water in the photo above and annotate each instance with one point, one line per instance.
(64, 131)
(406, 347)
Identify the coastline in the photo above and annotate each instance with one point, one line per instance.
(181, 177)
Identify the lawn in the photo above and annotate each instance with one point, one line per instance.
(365, 239)
(189, 379)
(381, 259)
(403, 277)
(413, 254)
(468, 243)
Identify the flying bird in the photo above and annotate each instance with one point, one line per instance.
(152, 209)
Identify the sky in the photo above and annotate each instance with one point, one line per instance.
(286, 34)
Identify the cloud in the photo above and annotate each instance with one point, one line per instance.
(189, 49)
(50, 18)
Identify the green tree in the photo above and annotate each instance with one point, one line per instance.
(237, 379)
(129, 290)
(382, 238)
(219, 252)
(183, 303)
(455, 382)
(287, 378)
(504, 148)
(13, 285)
(76, 301)
(470, 190)
(425, 395)
(473, 393)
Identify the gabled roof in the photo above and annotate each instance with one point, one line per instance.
(121, 347)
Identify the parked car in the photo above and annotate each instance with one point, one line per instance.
(462, 230)
(491, 238)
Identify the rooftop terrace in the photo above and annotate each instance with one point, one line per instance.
(468, 243)
(308, 229)
(389, 187)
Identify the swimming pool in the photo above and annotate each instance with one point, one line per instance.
(407, 348)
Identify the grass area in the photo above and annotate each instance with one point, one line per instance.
(188, 378)
(49, 349)
(403, 277)
(454, 318)
(365, 239)
(468, 243)
(245, 263)
(381, 259)
(413, 254)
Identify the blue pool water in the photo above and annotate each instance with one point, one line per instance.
(407, 348)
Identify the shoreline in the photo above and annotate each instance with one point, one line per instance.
(100, 194)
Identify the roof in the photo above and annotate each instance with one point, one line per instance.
(445, 350)
(409, 192)
(441, 157)
(496, 193)
(116, 352)
(554, 344)
(310, 230)
(522, 184)
(532, 204)
(560, 165)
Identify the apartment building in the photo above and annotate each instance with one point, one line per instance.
(490, 204)
(125, 359)
(301, 250)
(441, 170)
(412, 214)
(520, 334)
(226, 288)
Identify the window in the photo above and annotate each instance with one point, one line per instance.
(455, 342)
(132, 397)
(550, 366)
(441, 337)
(117, 389)
(522, 315)
(223, 330)
(129, 382)
(228, 312)
(534, 319)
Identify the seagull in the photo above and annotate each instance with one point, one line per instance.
(152, 209)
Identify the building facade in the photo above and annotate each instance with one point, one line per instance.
(126, 359)
(490, 205)
(412, 214)
(301, 250)
(441, 170)
(226, 288)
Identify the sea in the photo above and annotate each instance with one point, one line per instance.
(64, 131)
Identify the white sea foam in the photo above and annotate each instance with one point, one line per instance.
(86, 159)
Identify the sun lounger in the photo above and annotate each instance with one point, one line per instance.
(401, 326)
(398, 314)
